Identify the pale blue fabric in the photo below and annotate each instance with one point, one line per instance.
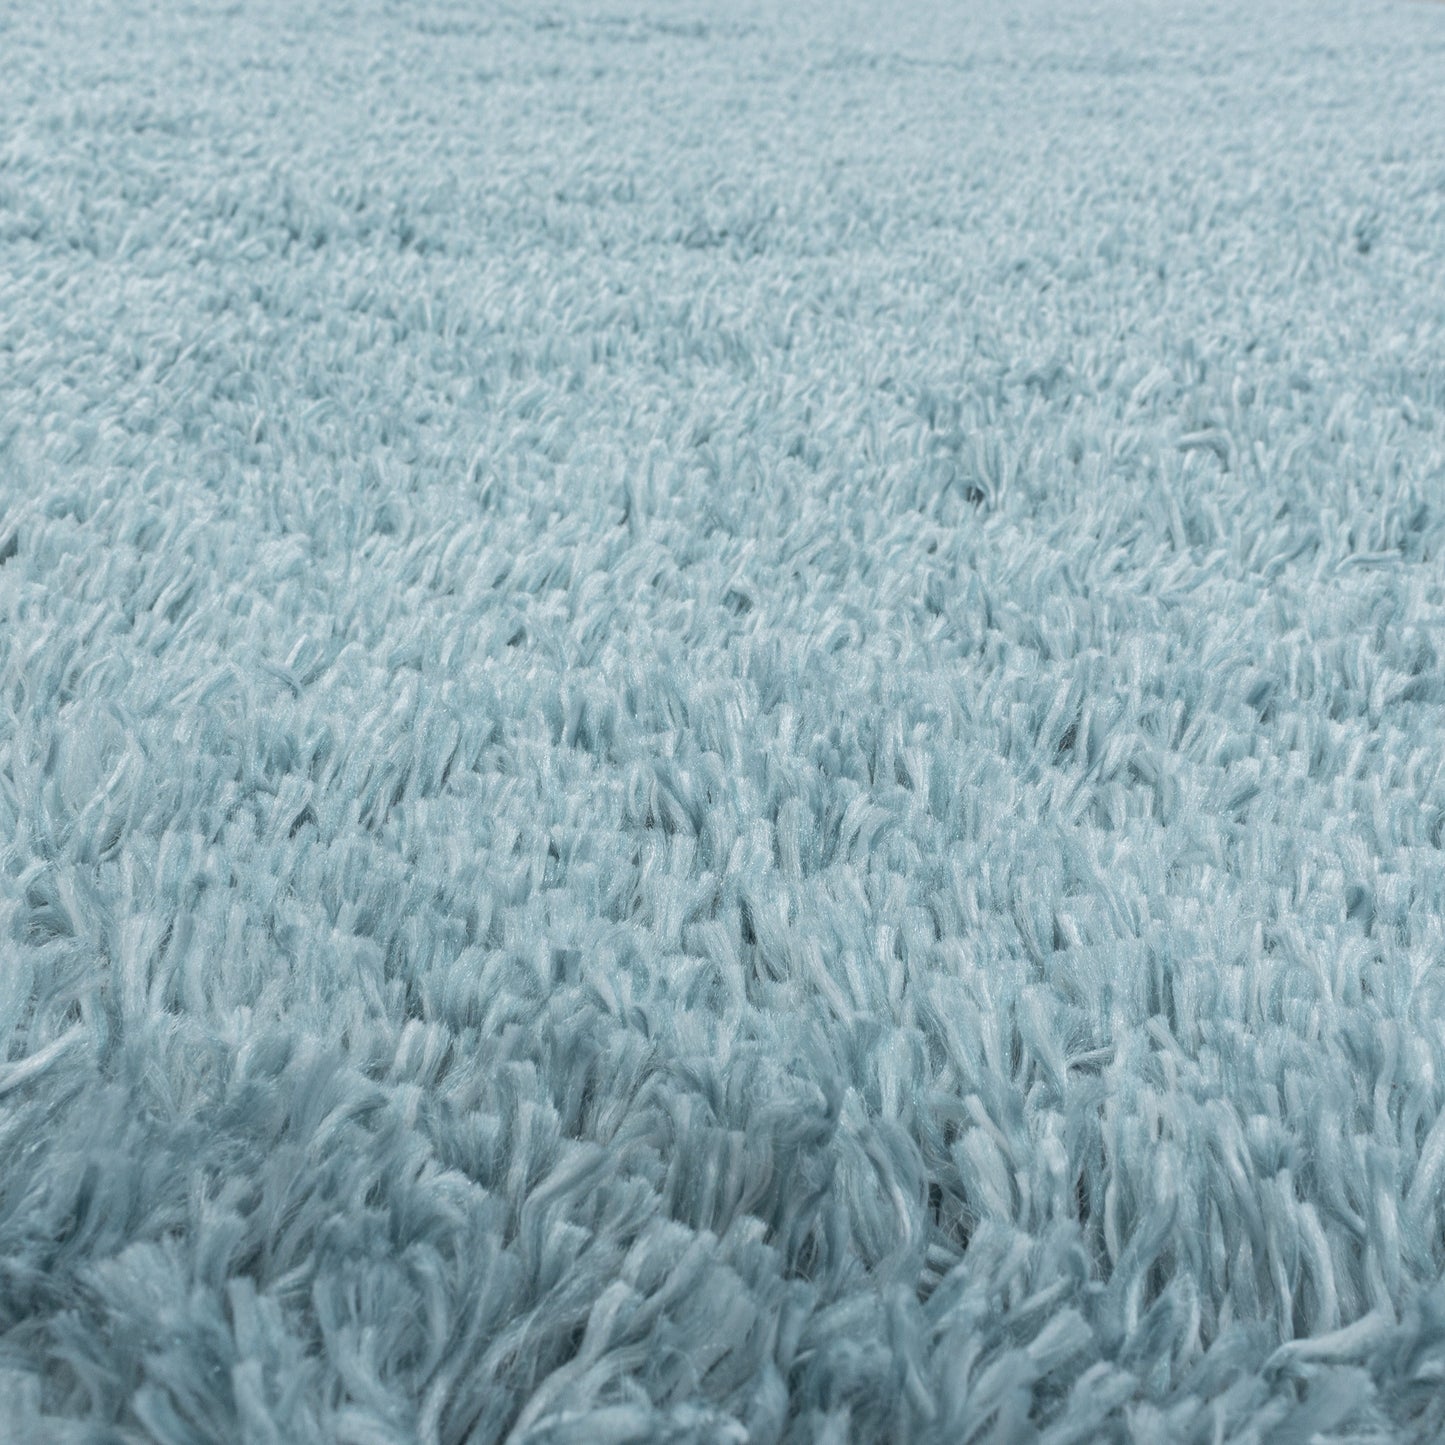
(722, 722)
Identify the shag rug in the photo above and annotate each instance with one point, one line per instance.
(722, 722)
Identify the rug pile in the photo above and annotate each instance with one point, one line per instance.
(721, 722)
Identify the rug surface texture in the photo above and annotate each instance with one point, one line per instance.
(722, 722)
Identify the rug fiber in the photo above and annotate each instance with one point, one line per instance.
(722, 722)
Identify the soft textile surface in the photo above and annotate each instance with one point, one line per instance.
(722, 722)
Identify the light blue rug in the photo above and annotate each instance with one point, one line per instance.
(722, 722)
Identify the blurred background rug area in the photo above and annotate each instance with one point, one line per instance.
(722, 723)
